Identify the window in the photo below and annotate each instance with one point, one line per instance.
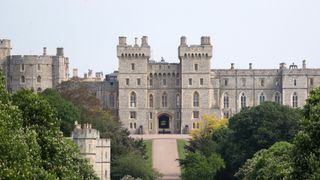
(294, 82)
(151, 125)
(277, 98)
(190, 81)
(225, 101)
(23, 79)
(262, 82)
(132, 66)
(196, 125)
(130, 125)
(195, 114)
(133, 115)
(226, 114)
(111, 100)
(225, 82)
(138, 81)
(243, 101)
(151, 82)
(150, 100)
(39, 67)
(22, 67)
(39, 89)
(196, 67)
(134, 125)
(127, 81)
(196, 99)
(150, 115)
(177, 82)
(164, 82)
(164, 100)
(201, 81)
(133, 99)
(294, 100)
(311, 81)
(39, 79)
(262, 98)
(178, 100)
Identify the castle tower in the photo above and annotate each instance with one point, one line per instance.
(97, 150)
(132, 78)
(5, 51)
(195, 64)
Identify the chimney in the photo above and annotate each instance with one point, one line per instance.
(205, 40)
(122, 41)
(232, 65)
(60, 52)
(304, 65)
(44, 51)
(250, 66)
(144, 41)
(183, 41)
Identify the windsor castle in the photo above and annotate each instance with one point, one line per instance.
(162, 97)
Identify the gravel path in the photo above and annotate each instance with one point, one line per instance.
(164, 155)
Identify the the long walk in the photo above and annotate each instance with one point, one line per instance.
(165, 154)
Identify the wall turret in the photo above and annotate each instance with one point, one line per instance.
(5, 51)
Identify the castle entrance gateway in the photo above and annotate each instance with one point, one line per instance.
(164, 124)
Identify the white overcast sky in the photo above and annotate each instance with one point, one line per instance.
(264, 32)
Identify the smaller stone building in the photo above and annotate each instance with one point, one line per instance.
(97, 150)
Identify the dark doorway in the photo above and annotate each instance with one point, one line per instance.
(164, 122)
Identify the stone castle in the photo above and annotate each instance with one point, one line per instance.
(162, 97)
(94, 148)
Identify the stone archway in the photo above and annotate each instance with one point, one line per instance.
(164, 124)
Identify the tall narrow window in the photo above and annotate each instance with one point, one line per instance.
(225, 101)
(138, 81)
(196, 99)
(225, 82)
(295, 100)
(195, 114)
(39, 79)
(311, 81)
(39, 67)
(262, 98)
(277, 98)
(196, 67)
(262, 82)
(130, 125)
(201, 81)
(178, 100)
(150, 100)
(23, 79)
(133, 99)
(127, 81)
(111, 100)
(132, 66)
(133, 115)
(22, 67)
(294, 82)
(164, 100)
(243, 101)
(164, 82)
(190, 81)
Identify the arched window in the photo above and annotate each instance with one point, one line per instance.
(178, 100)
(196, 99)
(277, 98)
(130, 125)
(39, 89)
(164, 100)
(262, 98)
(111, 100)
(295, 100)
(243, 101)
(150, 100)
(39, 79)
(133, 99)
(225, 101)
(23, 79)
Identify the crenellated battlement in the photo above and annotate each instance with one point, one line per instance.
(135, 51)
(202, 51)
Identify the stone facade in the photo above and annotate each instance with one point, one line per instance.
(153, 97)
(36, 72)
(95, 149)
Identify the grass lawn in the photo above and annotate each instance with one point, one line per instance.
(182, 152)
(149, 152)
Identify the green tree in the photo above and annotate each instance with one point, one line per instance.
(306, 151)
(272, 163)
(66, 112)
(58, 156)
(198, 166)
(257, 128)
